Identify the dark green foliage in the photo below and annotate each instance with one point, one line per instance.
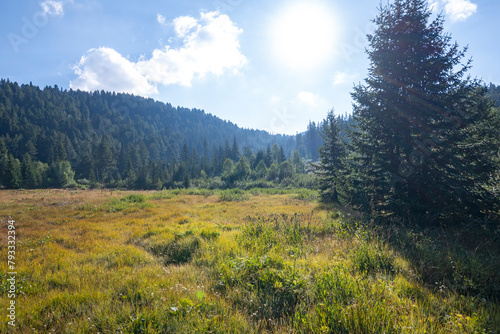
(233, 195)
(31, 175)
(12, 177)
(260, 170)
(134, 198)
(425, 133)
(118, 140)
(331, 170)
(103, 160)
(242, 169)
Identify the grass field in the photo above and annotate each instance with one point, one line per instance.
(258, 261)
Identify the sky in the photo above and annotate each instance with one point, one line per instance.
(269, 65)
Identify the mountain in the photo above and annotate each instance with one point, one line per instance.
(52, 124)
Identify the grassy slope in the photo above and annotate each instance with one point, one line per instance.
(93, 261)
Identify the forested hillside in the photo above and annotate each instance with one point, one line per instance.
(51, 116)
(106, 137)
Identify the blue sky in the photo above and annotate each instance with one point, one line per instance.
(271, 65)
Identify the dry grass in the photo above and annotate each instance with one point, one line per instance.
(101, 261)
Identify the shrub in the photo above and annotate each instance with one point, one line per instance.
(233, 195)
(134, 198)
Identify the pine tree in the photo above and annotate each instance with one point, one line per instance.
(332, 154)
(204, 157)
(104, 161)
(57, 151)
(268, 157)
(227, 151)
(12, 173)
(185, 154)
(281, 156)
(4, 157)
(31, 149)
(31, 177)
(424, 133)
(235, 150)
(313, 140)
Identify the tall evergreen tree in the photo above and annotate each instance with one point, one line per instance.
(104, 161)
(235, 150)
(425, 132)
(31, 177)
(330, 170)
(12, 173)
(268, 158)
(4, 157)
(313, 140)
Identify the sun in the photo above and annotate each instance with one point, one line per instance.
(303, 35)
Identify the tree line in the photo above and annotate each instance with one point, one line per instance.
(57, 138)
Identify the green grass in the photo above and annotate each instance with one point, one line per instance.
(235, 261)
(233, 195)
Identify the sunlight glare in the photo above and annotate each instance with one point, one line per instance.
(303, 35)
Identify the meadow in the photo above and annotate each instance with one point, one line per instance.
(256, 261)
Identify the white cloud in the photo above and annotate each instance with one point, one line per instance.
(161, 19)
(210, 46)
(308, 98)
(341, 78)
(456, 10)
(184, 25)
(459, 10)
(105, 69)
(52, 7)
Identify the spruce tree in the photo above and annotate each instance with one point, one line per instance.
(424, 131)
(12, 173)
(31, 177)
(104, 161)
(332, 154)
(235, 150)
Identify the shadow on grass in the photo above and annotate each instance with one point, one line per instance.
(462, 259)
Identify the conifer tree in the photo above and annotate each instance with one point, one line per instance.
(332, 154)
(104, 161)
(31, 177)
(12, 173)
(4, 157)
(424, 131)
(235, 150)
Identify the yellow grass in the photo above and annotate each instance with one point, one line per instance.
(91, 261)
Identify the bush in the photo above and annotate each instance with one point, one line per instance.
(233, 195)
(134, 198)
